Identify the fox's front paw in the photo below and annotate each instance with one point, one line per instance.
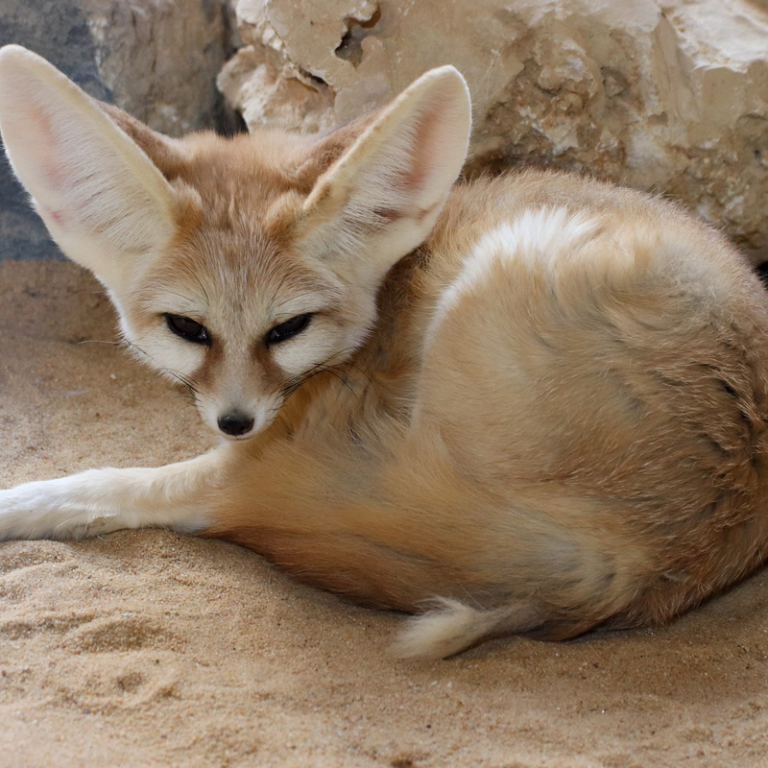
(104, 500)
(26, 512)
(19, 508)
(48, 509)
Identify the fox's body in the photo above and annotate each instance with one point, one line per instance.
(537, 400)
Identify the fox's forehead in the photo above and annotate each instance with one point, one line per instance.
(233, 254)
(245, 175)
(236, 274)
(229, 244)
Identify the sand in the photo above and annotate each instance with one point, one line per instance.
(147, 648)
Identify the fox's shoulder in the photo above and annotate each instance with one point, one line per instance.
(547, 204)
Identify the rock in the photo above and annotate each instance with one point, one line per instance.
(157, 59)
(160, 59)
(663, 95)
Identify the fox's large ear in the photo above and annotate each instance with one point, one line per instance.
(381, 198)
(103, 200)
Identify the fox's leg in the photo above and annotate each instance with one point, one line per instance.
(103, 500)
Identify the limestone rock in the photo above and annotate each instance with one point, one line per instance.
(157, 59)
(663, 95)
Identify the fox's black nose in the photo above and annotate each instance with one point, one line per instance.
(235, 424)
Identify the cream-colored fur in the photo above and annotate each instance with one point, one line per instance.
(534, 404)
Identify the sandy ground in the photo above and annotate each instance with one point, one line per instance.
(152, 649)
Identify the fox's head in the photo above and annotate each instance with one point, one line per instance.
(237, 266)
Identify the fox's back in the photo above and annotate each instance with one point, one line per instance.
(589, 356)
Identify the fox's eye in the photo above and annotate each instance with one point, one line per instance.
(287, 329)
(189, 330)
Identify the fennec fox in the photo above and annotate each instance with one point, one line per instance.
(534, 404)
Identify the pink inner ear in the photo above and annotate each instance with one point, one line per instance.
(55, 219)
(423, 152)
(34, 139)
(40, 148)
(57, 216)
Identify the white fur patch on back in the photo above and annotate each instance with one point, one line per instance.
(539, 237)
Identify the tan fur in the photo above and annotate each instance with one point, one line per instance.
(624, 482)
(554, 418)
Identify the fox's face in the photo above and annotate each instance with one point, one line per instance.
(242, 333)
(239, 267)
(242, 319)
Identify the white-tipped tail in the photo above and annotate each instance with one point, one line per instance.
(452, 626)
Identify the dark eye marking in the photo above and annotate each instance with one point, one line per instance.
(288, 329)
(189, 330)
